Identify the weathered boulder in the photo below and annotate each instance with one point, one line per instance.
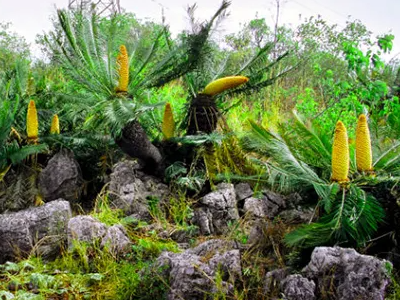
(243, 191)
(61, 178)
(277, 199)
(131, 190)
(297, 215)
(191, 274)
(85, 229)
(355, 276)
(259, 208)
(116, 240)
(216, 210)
(273, 280)
(296, 287)
(267, 205)
(43, 229)
(88, 229)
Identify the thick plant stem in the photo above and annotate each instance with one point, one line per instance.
(135, 142)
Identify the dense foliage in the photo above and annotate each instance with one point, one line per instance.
(121, 86)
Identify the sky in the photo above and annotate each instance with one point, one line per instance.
(30, 17)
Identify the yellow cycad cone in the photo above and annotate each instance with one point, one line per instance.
(168, 124)
(32, 125)
(123, 70)
(363, 145)
(223, 84)
(55, 125)
(340, 154)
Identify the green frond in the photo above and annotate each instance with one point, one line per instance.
(189, 54)
(113, 115)
(285, 169)
(353, 220)
(316, 149)
(81, 50)
(17, 154)
(389, 160)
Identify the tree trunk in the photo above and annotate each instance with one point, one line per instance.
(203, 115)
(135, 142)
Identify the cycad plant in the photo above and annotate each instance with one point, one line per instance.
(113, 82)
(298, 156)
(12, 149)
(211, 90)
(11, 152)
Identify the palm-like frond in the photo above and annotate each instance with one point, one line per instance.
(353, 219)
(349, 217)
(116, 114)
(191, 53)
(313, 148)
(86, 47)
(389, 160)
(85, 52)
(285, 169)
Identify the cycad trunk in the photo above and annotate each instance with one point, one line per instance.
(203, 115)
(135, 142)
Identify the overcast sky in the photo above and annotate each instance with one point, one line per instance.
(30, 17)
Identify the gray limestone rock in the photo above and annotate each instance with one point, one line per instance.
(116, 240)
(61, 178)
(88, 229)
(297, 215)
(85, 229)
(275, 198)
(260, 208)
(131, 190)
(191, 274)
(243, 191)
(273, 280)
(296, 287)
(355, 276)
(42, 228)
(217, 209)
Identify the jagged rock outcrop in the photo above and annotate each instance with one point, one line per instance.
(88, 229)
(296, 287)
(133, 191)
(334, 273)
(266, 206)
(355, 276)
(85, 229)
(191, 274)
(116, 240)
(217, 210)
(61, 178)
(43, 229)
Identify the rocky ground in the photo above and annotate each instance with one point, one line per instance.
(214, 256)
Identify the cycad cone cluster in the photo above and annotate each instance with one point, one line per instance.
(340, 154)
(223, 84)
(168, 124)
(123, 70)
(55, 125)
(363, 145)
(32, 125)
